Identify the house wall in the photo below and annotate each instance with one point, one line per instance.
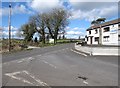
(108, 38)
(113, 35)
(93, 35)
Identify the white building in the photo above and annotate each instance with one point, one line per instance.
(107, 33)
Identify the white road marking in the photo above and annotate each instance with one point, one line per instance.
(20, 60)
(36, 79)
(39, 55)
(78, 53)
(85, 82)
(30, 58)
(13, 75)
(49, 64)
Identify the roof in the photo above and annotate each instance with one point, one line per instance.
(105, 24)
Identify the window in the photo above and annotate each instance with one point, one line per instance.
(96, 39)
(106, 29)
(106, 38)
(96, 31)
(118, 26)
(87, 38)
(118, 37)
(89, 32)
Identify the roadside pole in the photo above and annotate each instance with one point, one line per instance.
(100, 36)
(9, 23)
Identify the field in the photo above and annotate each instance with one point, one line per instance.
(15, 44)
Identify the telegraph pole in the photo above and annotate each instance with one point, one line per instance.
(100, 35)
(9, 23)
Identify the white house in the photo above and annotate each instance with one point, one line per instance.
(107, 33)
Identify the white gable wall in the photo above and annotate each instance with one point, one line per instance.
(108, 38)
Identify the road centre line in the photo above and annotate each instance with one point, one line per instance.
(20, 60)
(49, 64)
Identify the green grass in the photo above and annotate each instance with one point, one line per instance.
(63, 41)
(46, 45)
(67, 41)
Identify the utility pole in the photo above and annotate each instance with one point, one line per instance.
(100, 35)
(9, 23)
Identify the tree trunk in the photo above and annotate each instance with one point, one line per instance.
(43, 38)
(55, 40)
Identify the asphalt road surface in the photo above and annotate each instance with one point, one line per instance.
(58, 66)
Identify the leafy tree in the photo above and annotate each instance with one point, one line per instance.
(28, 31)
(94, 22)
(98, 21)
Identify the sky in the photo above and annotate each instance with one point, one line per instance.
(82, 13)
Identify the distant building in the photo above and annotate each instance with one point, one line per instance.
(107, 33)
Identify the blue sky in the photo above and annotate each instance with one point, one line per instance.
(82, 13)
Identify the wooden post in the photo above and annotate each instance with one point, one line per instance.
(9, 23)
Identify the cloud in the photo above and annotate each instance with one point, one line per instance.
(45, 5)
(74, 33)
(94, 0)
(74, 29)
(12, 28)
(18, 9)
(93, 10)
(0, 32)
(87, 6)
(107, 12)
(72, 37)
(5, 32)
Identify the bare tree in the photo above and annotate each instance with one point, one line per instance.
(39, 24)
(56, 21)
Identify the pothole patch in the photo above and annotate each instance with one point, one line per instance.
(83, 78)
